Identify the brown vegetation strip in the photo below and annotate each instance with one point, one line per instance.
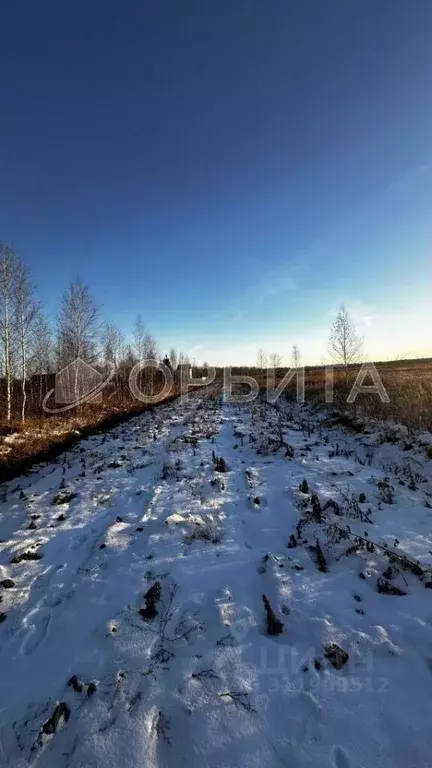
(46, 448)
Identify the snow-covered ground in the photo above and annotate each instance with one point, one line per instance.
(195, 679)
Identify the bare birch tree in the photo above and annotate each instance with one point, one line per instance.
(42, 360)
(79, 328)
(261, 359)
(112, 343)
(150, 347)
(345, 344)
(8, 264)
(275, 360)
(150, 353)
(295, 356)
(139, 336)
(79, 325)
(183, 358)
(26, 312)
(113, 351)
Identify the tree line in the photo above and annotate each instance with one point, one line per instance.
(33, 348)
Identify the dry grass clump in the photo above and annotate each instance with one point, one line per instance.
(205, 529)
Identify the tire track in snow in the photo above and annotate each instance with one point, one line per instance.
(74, 572)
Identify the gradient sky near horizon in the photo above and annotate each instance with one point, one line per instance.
(231, 169)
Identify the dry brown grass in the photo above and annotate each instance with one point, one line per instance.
(41, 438)
(408, 384)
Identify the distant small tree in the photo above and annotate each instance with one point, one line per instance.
(139, 336)
(150, 347)
(183, 358)
(261, 359)
(150, 352)
(112, 343)
(129, 358)
(173, 356)
(295, 356)
(345, 344)
(275, 360)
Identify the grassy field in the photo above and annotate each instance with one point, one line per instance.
(408, 384)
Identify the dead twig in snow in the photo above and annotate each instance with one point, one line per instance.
(239, 699)
(205, 674)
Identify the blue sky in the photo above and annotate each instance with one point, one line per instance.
(232, 170)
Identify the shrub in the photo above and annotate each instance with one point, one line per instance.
(207, 530)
